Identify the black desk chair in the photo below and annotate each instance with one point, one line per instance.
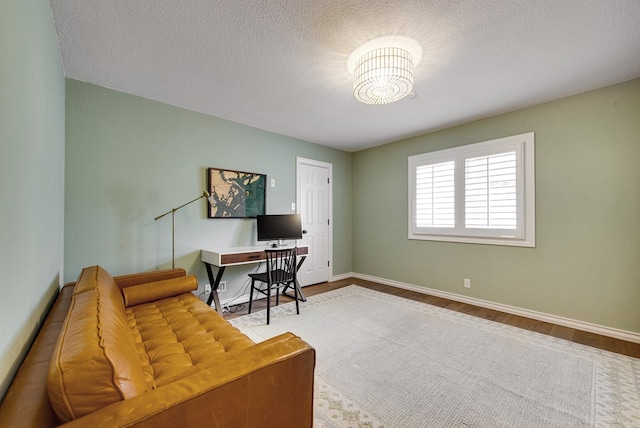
(281, 273)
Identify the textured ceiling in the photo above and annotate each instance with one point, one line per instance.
(280, 65)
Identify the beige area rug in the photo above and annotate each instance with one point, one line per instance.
(386, 361)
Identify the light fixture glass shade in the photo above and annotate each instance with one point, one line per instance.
(383, 76)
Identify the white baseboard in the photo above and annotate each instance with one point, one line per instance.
(234, 300)
(540, 316)
(342, 276)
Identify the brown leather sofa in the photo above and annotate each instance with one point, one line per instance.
(142, 350)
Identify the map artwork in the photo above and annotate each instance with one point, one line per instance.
(236, 194)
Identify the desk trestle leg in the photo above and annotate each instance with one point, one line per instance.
(215, 283)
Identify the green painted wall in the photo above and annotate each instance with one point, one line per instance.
(130, 159)
(586, 262)
(31, 174)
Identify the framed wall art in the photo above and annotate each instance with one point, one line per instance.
(236, 194)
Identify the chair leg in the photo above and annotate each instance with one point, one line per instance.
(268, 301)
(253, 281)
(295, 294)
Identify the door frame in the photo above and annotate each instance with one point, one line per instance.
(305, 161)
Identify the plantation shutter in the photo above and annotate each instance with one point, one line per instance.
(491, 191)
(435, 195)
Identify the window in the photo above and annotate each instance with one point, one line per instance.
(479, 193)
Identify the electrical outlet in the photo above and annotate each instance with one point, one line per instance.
(222, 287)
(467, 283)
(207, 289)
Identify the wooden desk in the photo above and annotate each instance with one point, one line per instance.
(235, 256)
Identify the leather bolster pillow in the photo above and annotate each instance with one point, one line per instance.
(152, 291)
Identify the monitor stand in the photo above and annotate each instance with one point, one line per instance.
(279, 244)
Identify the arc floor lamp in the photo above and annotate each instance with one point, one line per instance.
(205, 194)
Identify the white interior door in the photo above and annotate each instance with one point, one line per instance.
(314, 206)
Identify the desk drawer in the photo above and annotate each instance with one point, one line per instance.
(242, 257)
(237, 256)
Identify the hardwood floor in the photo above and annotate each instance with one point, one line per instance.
(585, 338)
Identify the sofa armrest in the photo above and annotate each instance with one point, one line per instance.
(125, 281)
(267, 385)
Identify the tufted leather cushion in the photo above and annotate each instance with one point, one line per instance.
(180, 335)
(95, 361)
(144, 293)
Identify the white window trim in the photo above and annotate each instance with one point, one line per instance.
(526, 193)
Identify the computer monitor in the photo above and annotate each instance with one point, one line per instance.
(279, 227)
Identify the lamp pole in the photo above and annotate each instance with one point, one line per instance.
(205, 194)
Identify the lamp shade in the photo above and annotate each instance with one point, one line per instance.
(383, 76)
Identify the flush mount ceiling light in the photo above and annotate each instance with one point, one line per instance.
(383, 76)
(383, 69)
